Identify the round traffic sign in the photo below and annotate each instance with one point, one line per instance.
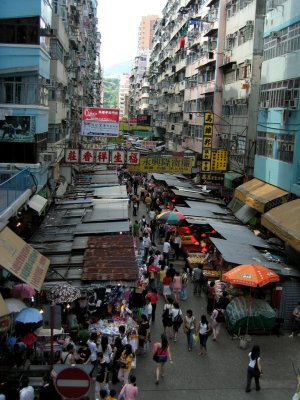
(72, 383)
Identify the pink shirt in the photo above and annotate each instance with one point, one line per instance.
(177, 282)
(130, 391)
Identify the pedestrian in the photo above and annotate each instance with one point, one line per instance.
(184, 284)
(103, 394)
(166, 251)
(123, 335)
(296, 321)
(67, 355)
(161, 353)
(177, 245)
(148, 310)
(189, 327)
(147, 245)
(211, 297)
(144, 333)
(254, 368)
(204, 329)
(112, 395)
(167, 319)
(134, 206)
(102, 374)
(223, 301)
(105, 348)
(117, 351)
(84, 354)
(136, 232)
(126, 360)
(197, 280)
(167, 280)
(148, 202)
(153, 296)
(215, 323)
(93, 349)
(176, 319)
(130, 390)
(176, 285)
(26, 391)
(161, 276)
(48, 390)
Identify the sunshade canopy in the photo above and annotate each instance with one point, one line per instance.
(257, 194)
(250, 275)
(284, 222)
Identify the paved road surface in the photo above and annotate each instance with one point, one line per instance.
(221, 375)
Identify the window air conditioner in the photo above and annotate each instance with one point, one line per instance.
(249, 23)
(274, 35)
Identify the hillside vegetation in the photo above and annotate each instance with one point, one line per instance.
(110, 92)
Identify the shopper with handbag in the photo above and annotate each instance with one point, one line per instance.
(125, 364)
(254, 368)
(189, 327)
(130, 390)
(161, 353)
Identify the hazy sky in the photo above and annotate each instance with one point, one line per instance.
(118, 23)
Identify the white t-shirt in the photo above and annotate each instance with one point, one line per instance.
(93, 349)
(252, 362)
(146, 242)
(27, 393)
(148, 309)
(151, 214)
(175, 312)
(203, 328)
(166, 247)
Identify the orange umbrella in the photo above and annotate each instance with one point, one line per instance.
(250, 275)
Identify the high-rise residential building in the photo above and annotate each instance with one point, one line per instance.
(145, 33)
(123, 94)
(277, 159)
(139, 69)
(49, 69)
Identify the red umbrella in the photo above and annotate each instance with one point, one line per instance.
(29, 339)
(22, 291)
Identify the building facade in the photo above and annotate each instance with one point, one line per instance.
(145, 34)
(123, 94)
(277, 159)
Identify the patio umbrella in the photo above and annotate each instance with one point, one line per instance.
(29, 316)
(250, 275)
(171, 217)
(14, 305)
(22, 291)
(63, 293)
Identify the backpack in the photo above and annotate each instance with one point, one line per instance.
(167, 317)
(220, 317)
(178, 319)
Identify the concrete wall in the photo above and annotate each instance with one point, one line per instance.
(28, 8)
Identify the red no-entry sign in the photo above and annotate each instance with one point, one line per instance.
(72, 383)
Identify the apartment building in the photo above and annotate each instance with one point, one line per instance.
(145, 33)
(123, 94)
(48, 53)
(277, 159)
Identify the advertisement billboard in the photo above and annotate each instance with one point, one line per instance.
(100, 122)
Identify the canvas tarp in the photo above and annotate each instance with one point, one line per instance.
(284, 222)
(249, 315)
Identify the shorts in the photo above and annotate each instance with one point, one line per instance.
(167, 291)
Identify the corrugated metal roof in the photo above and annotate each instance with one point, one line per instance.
(110, 258)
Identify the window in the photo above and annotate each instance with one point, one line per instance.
(276, 146)
(282, 94)
(282, 42)
(20, 30)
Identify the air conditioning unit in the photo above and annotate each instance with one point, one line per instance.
(247, 62)
(249, 23)
(47, 157)
(231, 36)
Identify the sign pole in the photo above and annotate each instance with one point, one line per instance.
(51, 333)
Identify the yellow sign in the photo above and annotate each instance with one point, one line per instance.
(207, 142)
(159, 164)
(208, 130)
(206, 154)
(219, 160)
(205, 166)
(23, 261)
(208, 118)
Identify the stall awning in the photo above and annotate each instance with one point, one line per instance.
(20, 259)
(240, 253)
(284, 222)
(257, 194)
(245, 213)
(37, 203)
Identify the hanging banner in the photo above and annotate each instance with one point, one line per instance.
(133, 158)
(87, 156)
(159, 164)
(117, 157)
(100, 114)
(102, 157)
(72, 156)
(23, 261)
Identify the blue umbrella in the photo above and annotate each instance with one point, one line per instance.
(29, 316)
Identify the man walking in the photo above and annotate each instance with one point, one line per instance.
(166, 251)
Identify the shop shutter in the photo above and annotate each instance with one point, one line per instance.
(290, 298)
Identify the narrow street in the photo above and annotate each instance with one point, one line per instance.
(222, 373)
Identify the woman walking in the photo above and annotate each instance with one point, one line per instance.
(161, 352)
(118, 350)
(211, 297)
(189, 326)
(215, 324)
(254, 368)
(204, 328)
(130, 390)
(177, 285)
(126, 359)
(176, 319)
(167, 319)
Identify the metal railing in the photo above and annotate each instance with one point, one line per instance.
(14, 187)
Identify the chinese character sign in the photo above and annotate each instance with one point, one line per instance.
(117, 157)
(219, 160)
(72, 155)
(87, 156)
(102, 157)
(160, 164)
(100, 114)
(133, 158)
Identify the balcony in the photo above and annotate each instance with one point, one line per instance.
(23, 93)
(175, 108)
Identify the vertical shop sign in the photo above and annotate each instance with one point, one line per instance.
(72, 155)
(102, 157)
(207, 142)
